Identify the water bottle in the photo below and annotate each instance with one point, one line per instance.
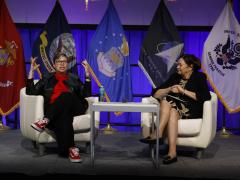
(101, 94)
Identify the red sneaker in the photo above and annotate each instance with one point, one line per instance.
(40, 124)
(74, 155)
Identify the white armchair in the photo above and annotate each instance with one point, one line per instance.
(31, 109)
(197, 133)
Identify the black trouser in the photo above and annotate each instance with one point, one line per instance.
(61, 113)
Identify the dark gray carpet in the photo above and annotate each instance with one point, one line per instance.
(119, 154)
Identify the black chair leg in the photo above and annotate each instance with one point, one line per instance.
(41, 149)
(87, 147)
(34, 143)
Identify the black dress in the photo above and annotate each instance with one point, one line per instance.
(187, 107)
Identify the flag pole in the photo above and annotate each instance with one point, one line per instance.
(3, 127)
(108, 129)
(224, 132)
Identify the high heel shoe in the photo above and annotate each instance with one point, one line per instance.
(149, 140)
(166, 156)
(145, 140)
(169, 160)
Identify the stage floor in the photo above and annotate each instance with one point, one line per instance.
(119, 154)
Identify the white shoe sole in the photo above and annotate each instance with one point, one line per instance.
(36, 128)
(75, 160)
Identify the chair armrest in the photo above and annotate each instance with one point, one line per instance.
(31, 106)
(209, 125)
(90, 101)
(31, 109)
(146, 117)
(97, 114)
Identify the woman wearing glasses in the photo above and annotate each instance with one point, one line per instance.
(64, 97)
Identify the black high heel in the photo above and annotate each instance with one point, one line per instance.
(166, 156)
(149, 140)
(169, 160)
(145, 140)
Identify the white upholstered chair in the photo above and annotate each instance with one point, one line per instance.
(31, 109)
(197, 133)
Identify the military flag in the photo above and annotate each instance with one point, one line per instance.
(221, 59)
(161, 47)
(12, 65)
(108, 57)
(55, 37)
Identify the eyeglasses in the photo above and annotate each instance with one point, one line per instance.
(61, 62)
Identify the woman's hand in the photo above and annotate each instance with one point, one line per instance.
(161, 93)
(33, 67)
(177, 89)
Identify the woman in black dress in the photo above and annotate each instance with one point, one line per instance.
(181, 97)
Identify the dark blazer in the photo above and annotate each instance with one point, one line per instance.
(197, 83)
(46, 85)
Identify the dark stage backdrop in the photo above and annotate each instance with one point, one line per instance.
(193, 41)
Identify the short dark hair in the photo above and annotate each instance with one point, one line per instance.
(58, 55)
(191, 59)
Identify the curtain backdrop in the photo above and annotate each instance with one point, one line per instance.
(193, 44)
(193, 41)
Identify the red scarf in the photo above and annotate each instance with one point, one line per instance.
(60, 87)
